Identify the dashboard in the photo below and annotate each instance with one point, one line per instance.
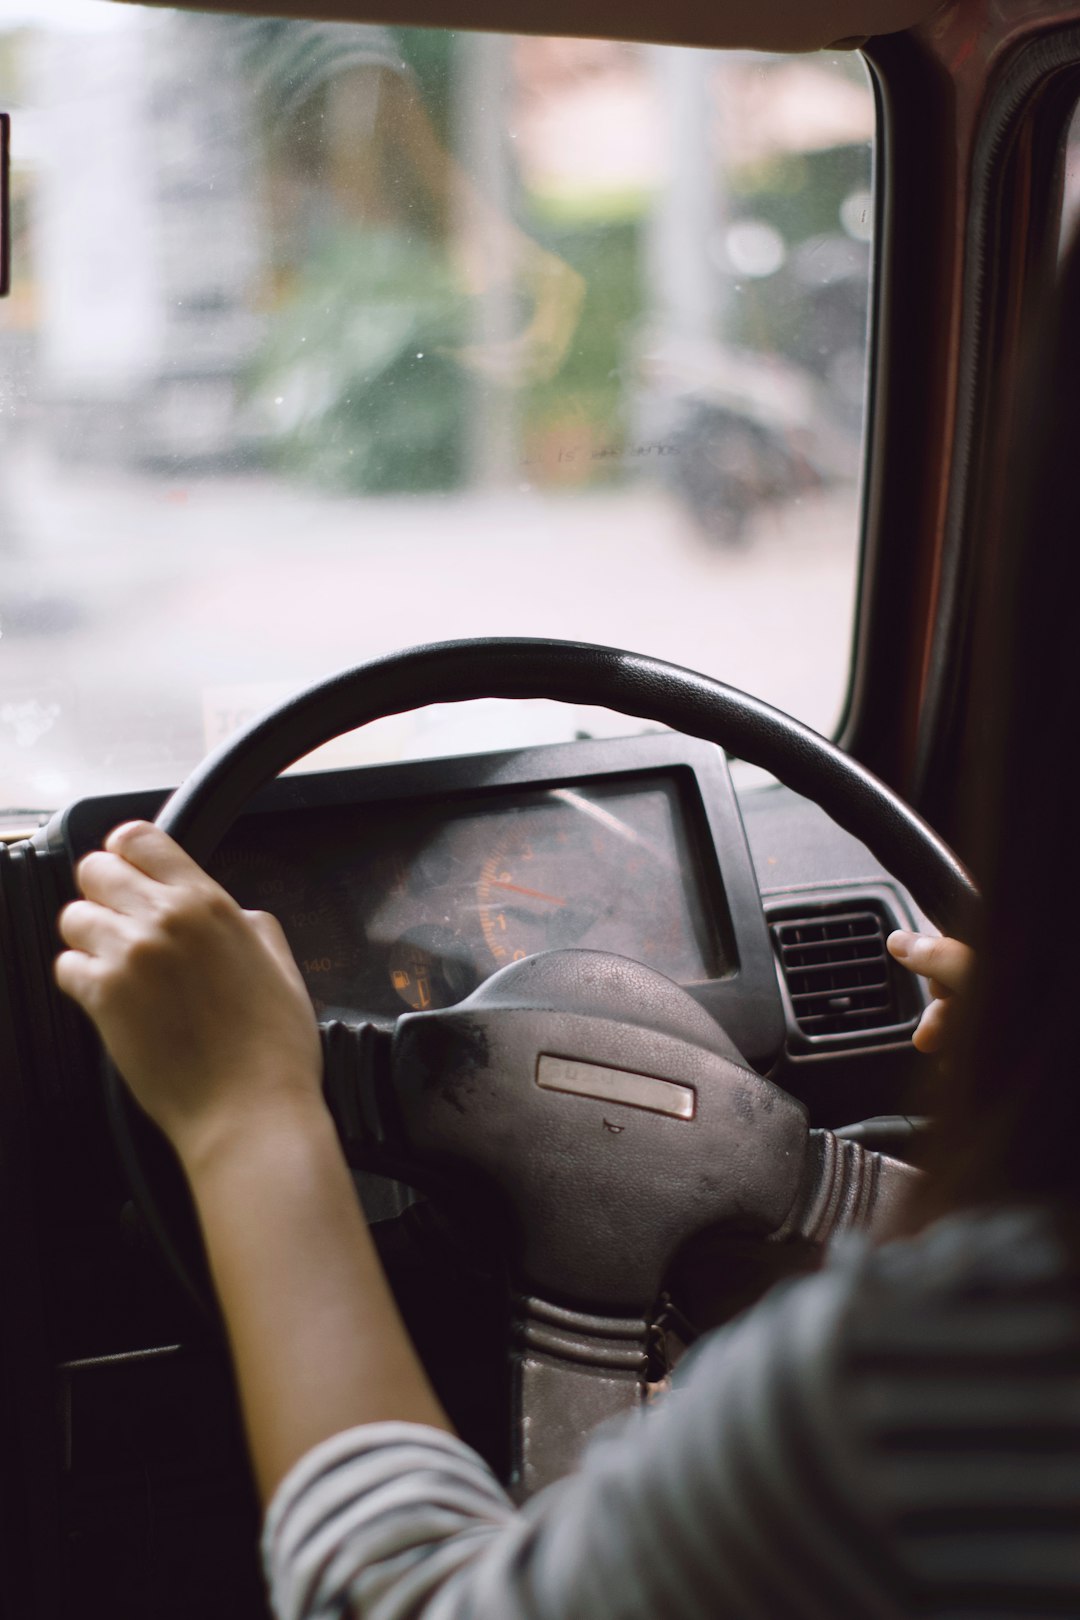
(403, 887)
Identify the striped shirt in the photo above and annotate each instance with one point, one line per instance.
(897, 1435)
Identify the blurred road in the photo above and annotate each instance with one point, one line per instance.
(141, 619)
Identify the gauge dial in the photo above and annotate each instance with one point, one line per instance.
(428, 968)
(556, 880)
(528, 895)
(593, 869)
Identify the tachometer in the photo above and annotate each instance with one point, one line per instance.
(542, 887)
(582, 868)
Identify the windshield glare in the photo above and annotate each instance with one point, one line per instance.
(326, 340)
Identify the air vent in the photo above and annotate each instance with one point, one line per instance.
(839, 975)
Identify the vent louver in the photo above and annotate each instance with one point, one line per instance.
(839, 975)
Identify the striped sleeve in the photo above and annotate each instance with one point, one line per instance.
(680, 1512)
(375, 1519)
(967, 1409)
(898, 1435)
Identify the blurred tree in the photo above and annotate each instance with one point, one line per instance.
(356, 383)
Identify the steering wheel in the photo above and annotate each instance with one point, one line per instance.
(606, 1108)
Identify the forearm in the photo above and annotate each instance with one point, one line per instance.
(317, 1341)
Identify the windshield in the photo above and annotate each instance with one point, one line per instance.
(326, 340)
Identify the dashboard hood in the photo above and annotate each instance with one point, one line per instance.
(767, 25)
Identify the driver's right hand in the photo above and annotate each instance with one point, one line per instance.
(948, 966)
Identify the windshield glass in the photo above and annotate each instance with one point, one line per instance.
(326, 340)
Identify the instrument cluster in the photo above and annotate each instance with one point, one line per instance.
(396, 906)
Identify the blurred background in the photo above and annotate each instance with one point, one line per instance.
(325, 340)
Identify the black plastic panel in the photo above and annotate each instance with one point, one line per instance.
(306, 814)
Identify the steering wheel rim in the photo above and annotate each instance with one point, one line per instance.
(203, 808)
(201, 811)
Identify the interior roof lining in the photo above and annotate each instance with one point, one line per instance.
(765, 25)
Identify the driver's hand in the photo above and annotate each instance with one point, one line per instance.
(199, 1003)
(948, 966)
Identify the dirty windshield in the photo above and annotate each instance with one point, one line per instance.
(325, 340)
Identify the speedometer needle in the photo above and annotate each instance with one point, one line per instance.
(534, 894)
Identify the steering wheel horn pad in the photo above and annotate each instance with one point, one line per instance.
(603, 1190)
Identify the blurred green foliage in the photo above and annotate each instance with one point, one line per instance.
(362, 357)
(589, 387)
(355, 378)
(799, 194)
(358, 382)
(429, 52)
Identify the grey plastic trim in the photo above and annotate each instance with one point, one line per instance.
(615, 1085)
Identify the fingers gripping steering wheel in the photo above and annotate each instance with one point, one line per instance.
(511, 1085)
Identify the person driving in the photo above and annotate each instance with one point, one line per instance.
(895, 1435)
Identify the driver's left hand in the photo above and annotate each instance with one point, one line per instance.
(199, 1002)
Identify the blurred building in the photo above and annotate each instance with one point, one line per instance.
(146, 242)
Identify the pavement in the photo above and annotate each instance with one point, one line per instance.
(142, 618)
